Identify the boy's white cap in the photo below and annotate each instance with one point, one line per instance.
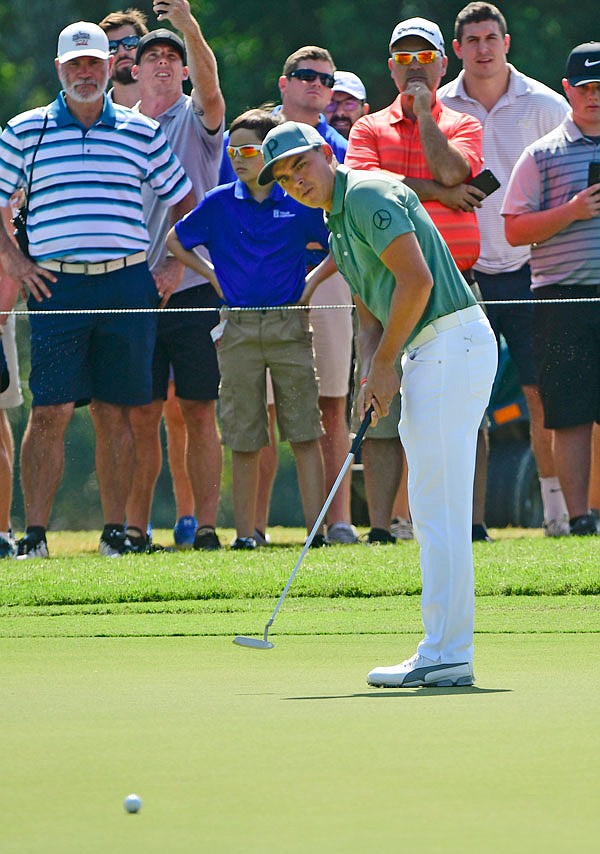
(82, 39)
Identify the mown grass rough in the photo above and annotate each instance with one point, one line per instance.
(530, 566)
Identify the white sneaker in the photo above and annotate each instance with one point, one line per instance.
(418, 671)
(342, 533)
(402, 529)
(558, 527)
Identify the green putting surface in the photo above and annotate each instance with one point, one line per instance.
(288, 750)
(299, 616)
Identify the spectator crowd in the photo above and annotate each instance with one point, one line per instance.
(297, 307)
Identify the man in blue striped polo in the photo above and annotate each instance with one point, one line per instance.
(553, 203)
(87, 160)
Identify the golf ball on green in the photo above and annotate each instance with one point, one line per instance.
(132, 803)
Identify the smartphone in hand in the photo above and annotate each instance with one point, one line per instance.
(593, 174)
(486, 181)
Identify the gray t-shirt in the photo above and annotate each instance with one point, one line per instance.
(200, 154)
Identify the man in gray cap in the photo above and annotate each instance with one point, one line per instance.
(553, 204)
(410, 297)
(193, 124)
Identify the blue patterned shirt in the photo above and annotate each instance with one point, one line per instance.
(86, 193)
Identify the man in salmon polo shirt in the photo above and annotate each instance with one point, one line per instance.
(436, 150)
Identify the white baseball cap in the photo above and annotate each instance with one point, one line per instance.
(350, 84)
(419, 27)
(82, 39)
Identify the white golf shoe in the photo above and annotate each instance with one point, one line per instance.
(419, 672)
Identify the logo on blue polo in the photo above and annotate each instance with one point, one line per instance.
(382, 219)
(277, 214)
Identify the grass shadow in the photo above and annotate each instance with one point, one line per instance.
(380, 693)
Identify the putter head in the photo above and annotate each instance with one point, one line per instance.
(254, 643)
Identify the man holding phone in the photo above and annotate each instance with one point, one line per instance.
(514, 110)
(549, 204)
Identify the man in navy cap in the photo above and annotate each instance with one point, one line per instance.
(553, 203)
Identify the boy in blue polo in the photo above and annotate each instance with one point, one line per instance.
(256, 236)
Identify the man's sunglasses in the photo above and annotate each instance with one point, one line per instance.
(307, 75)
(129, 43)
(345, 104)
(244, 151)
(423, 57)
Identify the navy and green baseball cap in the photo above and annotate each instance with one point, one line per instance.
(162, 36)
(286, 140)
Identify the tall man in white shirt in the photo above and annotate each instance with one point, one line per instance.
(514, 110)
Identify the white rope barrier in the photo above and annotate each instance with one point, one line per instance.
(38, 312)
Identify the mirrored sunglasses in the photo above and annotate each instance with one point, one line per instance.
(307, 75)
(128, 43)
(244, 150)
(423, 57)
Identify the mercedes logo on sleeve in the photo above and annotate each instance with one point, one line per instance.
(382, 219)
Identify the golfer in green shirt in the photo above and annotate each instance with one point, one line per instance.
(410, 298)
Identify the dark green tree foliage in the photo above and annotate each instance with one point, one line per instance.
(253, 37)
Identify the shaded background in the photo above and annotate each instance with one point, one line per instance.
(251, 39)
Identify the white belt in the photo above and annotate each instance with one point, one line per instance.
(96, 269)
(448, 321)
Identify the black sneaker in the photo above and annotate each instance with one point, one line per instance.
(206, 539)
(479, 534)
(32, 545)
(583, 526)
(139, 543)
(114, 543)
(380, 536)
(142, 544)
(244, 544)
(319, 541)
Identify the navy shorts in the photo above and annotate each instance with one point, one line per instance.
(108, 357)
(514, 322)
(183, 344)
(567, 348)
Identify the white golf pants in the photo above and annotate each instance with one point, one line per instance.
(446, 385)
